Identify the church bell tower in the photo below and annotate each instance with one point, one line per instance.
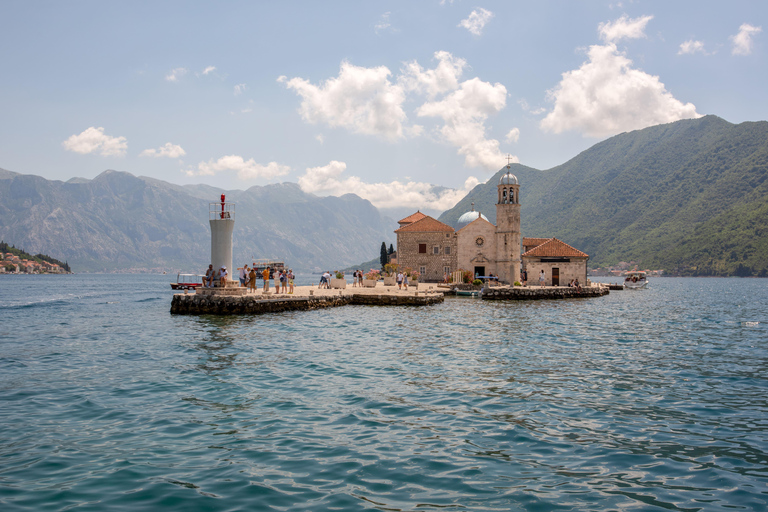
(508, 228)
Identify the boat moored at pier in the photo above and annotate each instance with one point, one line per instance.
(635, 280)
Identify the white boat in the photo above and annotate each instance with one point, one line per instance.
(635, 280)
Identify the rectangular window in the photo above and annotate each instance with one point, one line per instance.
(435, 250)
(422, 270)
(447, 270)
(422, 248)
(448, 249)
(447, 235)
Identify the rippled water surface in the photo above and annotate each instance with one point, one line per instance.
(641, 400)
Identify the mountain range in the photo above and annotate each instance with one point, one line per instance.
(118, 221)
(690, 197)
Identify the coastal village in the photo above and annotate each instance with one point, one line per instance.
(13, 264)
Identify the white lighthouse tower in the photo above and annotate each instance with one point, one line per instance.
(221, 217)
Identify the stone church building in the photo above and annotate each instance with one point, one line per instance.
(435, 249)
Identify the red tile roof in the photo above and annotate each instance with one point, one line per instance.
(555, 248)
(411, 218)
(427, 224)
(533, 242)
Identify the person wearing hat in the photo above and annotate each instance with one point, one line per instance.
(223, 276)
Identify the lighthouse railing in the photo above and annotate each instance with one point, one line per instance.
(220, 211)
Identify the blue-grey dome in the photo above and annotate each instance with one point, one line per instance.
(508, 179)
(469, 217)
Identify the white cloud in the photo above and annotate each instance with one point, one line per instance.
(623, 28)
(383, 23)
(464, 113)
(444, 78)
(175, 74)
(360, 99)
(476, 21)
(327, 180)
(319, 137)
(93, 140)
(209, 69)
(239, 88)
(167, 150)
(742, 42)
(606, 96)
(246, 169)
(513, 136)
(526, 107)
(691, 46)
(365, 100)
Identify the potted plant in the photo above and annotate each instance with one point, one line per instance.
(370, 278)
(339, 282)
(390, 274)
(414, 279)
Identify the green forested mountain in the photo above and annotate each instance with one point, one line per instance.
(690, 197)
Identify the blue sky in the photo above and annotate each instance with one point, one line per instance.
(381, 99)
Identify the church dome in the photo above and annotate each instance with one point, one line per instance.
(469, 217)
(508, 179)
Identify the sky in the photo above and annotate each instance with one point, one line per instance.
(408, 104)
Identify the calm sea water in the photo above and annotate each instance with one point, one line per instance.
(641, 400)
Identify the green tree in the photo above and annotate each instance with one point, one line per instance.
(383, 254)
(391, 249)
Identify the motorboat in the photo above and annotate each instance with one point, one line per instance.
(274, 265)
(635, 280)
(187, 282)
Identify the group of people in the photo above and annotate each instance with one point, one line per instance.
(575, 284)
(212, 274)
(283, 278)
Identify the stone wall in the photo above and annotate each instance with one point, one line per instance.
(551, 293)
(576, 268)
(477, 247)
(187, 304)
(408, 253)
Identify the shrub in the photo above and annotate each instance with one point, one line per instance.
(477, 282)
(518, 283)
(339, 275)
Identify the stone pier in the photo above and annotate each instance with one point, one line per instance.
(544, 293)
(304, 298)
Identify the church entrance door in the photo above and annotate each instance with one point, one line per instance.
(555, 276)
(479, 271)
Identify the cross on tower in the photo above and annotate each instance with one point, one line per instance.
(509, 160)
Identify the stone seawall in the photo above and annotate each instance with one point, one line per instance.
(194, 304)
(249, 305)
(546, 293)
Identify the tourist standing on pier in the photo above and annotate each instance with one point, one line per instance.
(405, 281)
(265, 276)
(252, 280)
(243, 275)
(276, 277)
(290, 280)
(399, 280)
(542, 279)
(284, 281)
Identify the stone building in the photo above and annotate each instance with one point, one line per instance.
(436, 249)
(560, 262)
(427, 246)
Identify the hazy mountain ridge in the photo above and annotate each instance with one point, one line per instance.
(119, 221)
(689, 196)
